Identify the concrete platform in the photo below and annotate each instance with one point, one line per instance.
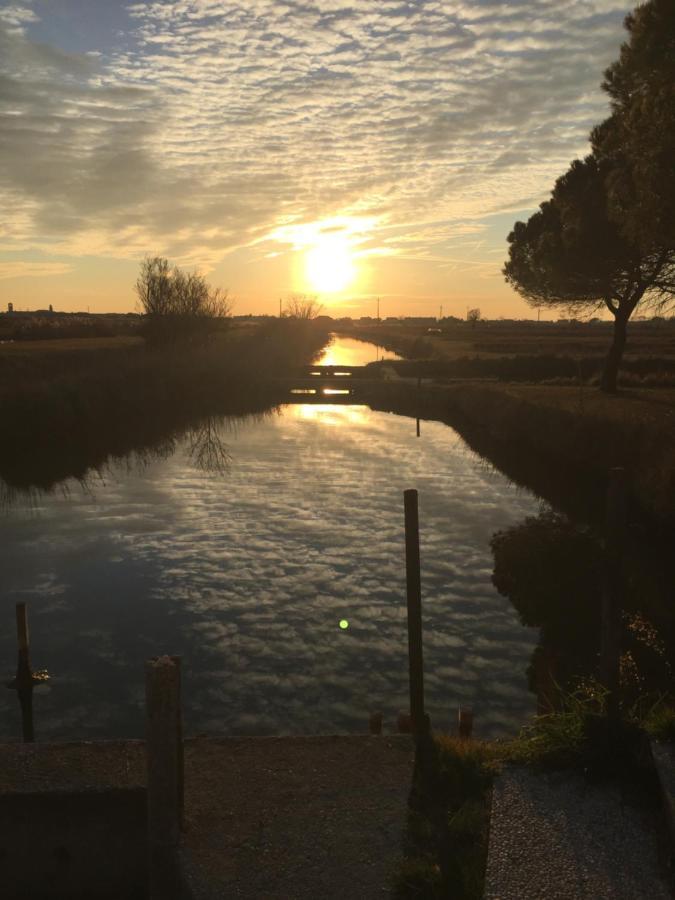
(287, 817)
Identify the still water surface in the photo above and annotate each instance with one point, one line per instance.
(248, 572)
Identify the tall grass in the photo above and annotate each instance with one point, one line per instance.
(446, 844)
(64, 413)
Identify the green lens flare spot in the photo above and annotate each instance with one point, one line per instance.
(344, 624)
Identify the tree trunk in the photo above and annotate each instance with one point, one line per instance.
(613, 361)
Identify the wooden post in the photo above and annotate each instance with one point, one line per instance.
(162, 706)
(24, 674)
(177, 661)
(414, 595)
(465, 722)
(612, 588)
(375, 723)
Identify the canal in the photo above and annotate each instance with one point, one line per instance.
(247, 548)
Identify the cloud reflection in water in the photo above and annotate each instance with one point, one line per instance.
(248, 574)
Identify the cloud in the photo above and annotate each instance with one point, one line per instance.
(15, 17)
(18, 268)
(213, 124)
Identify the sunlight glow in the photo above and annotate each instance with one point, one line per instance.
(330, 255)
(330, 415)
(329, 264)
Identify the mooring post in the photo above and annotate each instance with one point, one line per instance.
(465, 722)
(414, 595)
(177, 661)
(162, 686)
(24, 674)
(612, 588)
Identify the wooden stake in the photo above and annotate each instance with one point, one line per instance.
(177, 661)
(465, 722)
(24, 674)
(612, 588)
(414, 597)
(375, 723)
(162, 706)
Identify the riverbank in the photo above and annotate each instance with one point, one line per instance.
(558, 441)
(486, 817)
(544, 353)
(72, 405)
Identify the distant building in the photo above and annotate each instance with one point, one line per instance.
(10, 307)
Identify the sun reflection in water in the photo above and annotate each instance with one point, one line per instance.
(328, 414)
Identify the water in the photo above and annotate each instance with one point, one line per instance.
(349, 352)
(247, 571)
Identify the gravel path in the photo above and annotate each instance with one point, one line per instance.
(557, 837)
(306, 817)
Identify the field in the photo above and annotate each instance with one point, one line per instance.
(551, 352)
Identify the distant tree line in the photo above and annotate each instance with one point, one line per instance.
(607, 235)
(179, 307)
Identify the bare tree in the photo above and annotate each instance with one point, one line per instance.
(302, 306)
(178, 306)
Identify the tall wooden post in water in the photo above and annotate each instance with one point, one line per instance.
(414, 596)
(162, 692)
(612, 587)
(24, 674)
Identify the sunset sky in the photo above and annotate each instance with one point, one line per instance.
(345, 148)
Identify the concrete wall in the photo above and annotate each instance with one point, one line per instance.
(73, 845)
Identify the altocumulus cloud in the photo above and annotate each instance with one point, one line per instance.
(210, 124)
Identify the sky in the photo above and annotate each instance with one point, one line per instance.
(349, 149)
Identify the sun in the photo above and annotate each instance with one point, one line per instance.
(329, 264)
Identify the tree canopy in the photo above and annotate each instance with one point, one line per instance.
(606, 235)
(639, 137)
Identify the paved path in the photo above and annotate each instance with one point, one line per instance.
(557, 837)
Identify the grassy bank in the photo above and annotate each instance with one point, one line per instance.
(70, 405)
(555, 354)
(558, 441)
(448, 825)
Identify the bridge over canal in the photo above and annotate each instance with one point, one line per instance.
(329, 384)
